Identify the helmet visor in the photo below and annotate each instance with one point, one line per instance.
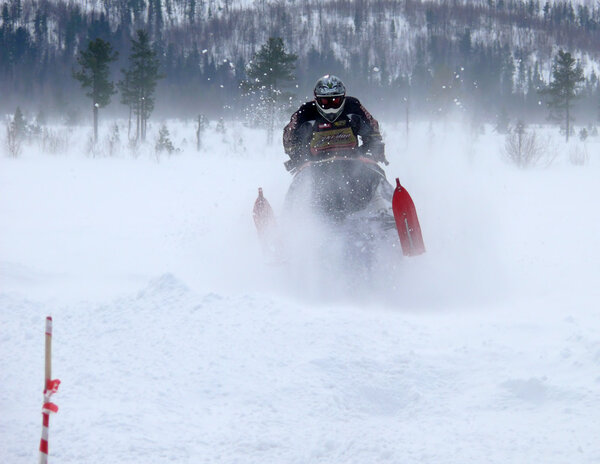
(330, 102)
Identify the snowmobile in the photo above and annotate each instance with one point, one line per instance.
(356, 210)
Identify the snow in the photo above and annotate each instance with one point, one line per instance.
(175, 342)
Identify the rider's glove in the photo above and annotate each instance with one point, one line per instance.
(377, 151)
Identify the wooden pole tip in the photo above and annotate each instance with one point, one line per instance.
(48, 325)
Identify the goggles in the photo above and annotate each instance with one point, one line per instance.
(329, 102)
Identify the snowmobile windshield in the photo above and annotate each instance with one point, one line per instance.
(330, 101)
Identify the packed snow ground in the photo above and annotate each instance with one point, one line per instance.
(176, 342)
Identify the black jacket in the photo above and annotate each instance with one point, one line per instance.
(310, 137)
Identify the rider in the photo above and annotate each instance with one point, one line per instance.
(332, 125)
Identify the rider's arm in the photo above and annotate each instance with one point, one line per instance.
(296, 137)
(369, 131)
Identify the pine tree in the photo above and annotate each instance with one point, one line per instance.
(19, 125)
(507, 74)
(191, 12)
(268, 71)
(128, 97)
(202, 123)
(7, 23)
(567, 75)
(164, 141)
(94, 75)
(139, 81)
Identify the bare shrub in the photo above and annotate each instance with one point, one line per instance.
(200, 128)
(92, 148)
(578, 155)
(113, 141)
(238, 144)
(55, 142)
(134, 148)
(525, 149)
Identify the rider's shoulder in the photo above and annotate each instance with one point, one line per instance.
(352, 103)
(306, 113)
(307, 108)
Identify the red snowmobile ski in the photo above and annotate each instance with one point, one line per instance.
(266, 226)
(264, 218)
(407, 222)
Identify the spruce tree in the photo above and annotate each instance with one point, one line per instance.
(139, 81)
(272, 66)
(567, 75)
(19, 125)
(94, 75)
(128, 97)
(270, 69)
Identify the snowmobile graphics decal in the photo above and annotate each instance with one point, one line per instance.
(333, 140)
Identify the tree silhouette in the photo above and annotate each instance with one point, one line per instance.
(139, 81)
(268, 71)
(567, 75)
(94, 75)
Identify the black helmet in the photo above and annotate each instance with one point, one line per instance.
(330, 95)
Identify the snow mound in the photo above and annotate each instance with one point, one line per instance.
(176, 342)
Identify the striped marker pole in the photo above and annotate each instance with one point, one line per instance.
(50, 387)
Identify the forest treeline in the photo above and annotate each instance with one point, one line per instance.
(488, 59)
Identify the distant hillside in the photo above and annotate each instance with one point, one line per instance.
(481, 57)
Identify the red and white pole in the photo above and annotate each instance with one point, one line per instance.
(50, 387)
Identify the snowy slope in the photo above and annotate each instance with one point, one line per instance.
(176, 343)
